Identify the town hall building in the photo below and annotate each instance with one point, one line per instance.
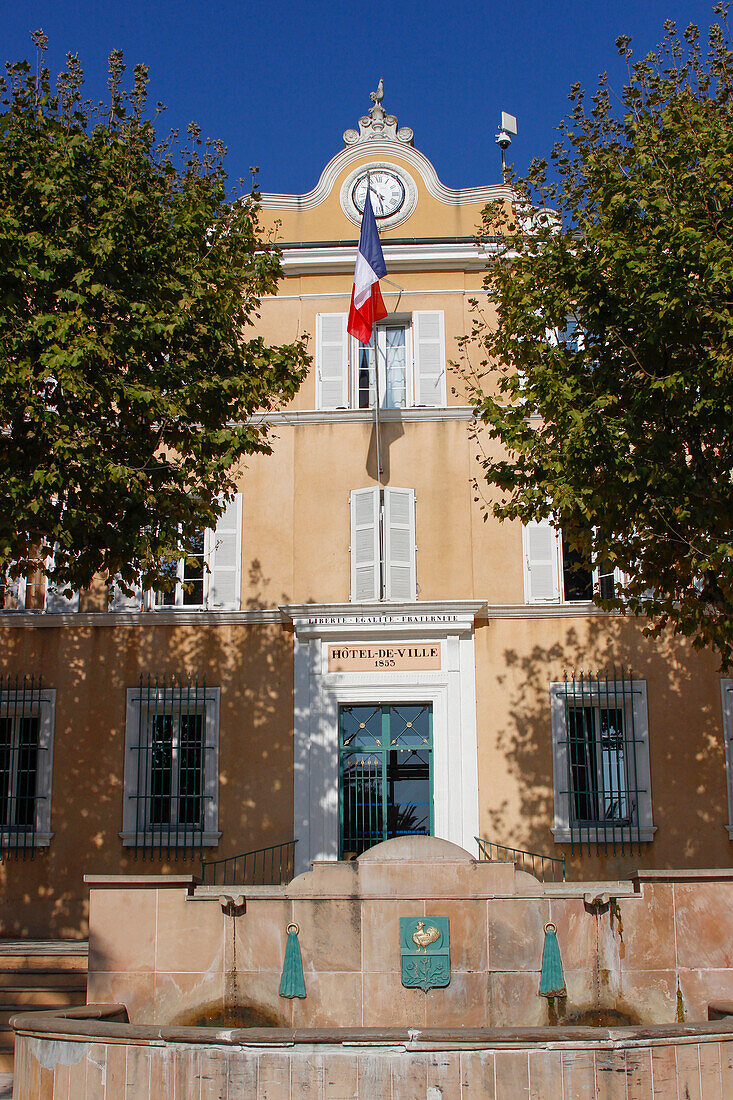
(356, 652)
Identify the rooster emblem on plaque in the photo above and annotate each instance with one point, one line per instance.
(425, 952)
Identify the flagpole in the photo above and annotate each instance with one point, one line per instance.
(378, 441)
(367, 309)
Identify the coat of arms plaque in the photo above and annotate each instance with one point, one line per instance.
(425, 952)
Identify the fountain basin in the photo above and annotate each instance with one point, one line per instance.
(94, 1052)
(649, 956)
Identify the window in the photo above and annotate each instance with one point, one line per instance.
(726, 689)
(386, 777)
(34, 592)
(26, 765)
(555, 573)
(384, 358)
(187, 576)
(171, 766)
(383, 550)
(24, 593)
(193, 585)
(601, 762)
(406, 354)
(571, 336)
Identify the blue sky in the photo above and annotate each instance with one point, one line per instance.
(280, 82)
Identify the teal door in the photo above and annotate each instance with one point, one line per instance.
(385, 774)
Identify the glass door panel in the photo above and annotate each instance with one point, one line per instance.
(386, 778)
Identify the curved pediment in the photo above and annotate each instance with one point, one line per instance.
(421, 205)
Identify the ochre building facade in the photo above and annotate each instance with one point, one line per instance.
(366, 656)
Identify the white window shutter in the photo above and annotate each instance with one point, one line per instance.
(58, 598)
(332, 361)
(365, 545)
(58, 602)
(13, 594)
(225, 558)
(541, 563)
(429, 344)
(121, 601)
(399, 544)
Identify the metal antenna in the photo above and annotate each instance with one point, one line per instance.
(507, 127)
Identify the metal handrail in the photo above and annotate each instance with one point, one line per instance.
(271, 866)
(545, 868)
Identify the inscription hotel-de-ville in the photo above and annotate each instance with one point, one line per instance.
(354, 590)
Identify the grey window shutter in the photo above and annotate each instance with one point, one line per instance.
(332, 361)
(121, 601)
(541, 563)
(429, 344)
(399, 544)
(58, 598)
(225, 558)
(364, 545)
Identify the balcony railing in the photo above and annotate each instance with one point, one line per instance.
(544, 868)
(272, 866)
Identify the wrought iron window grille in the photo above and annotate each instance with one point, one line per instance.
(603, 780)
(171, 780)
(26, 735)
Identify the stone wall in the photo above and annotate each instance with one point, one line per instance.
(655, 950)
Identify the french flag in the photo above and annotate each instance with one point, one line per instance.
(366, 298)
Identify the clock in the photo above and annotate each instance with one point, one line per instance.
(393, 192)
(387, 192)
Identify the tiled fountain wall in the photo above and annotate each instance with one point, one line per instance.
(657, 949)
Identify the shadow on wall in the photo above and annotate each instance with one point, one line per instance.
(390, 431)
(686, 748)
(91, 668)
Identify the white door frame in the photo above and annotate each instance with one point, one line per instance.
(318, 694)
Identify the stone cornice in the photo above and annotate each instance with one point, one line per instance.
(428, 256)
(466, 611)
(295, 418)
(167, 617)
(366, 620)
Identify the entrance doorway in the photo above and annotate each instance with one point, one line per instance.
(385, 774)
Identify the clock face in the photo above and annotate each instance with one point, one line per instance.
(387, 192)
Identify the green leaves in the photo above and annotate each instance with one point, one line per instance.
(625, 438)
(128, 277)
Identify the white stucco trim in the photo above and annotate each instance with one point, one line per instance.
(258, 616)
(345, 295)
(434, 255)
(318, 693)
(417, 414)
(379, 150)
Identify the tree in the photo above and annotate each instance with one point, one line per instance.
(129, 373)
(608, 377)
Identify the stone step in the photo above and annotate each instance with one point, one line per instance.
(30, 978)
(43, 963)
(8, 1011)
(43, 955)
(37, 975)
(32, 996)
